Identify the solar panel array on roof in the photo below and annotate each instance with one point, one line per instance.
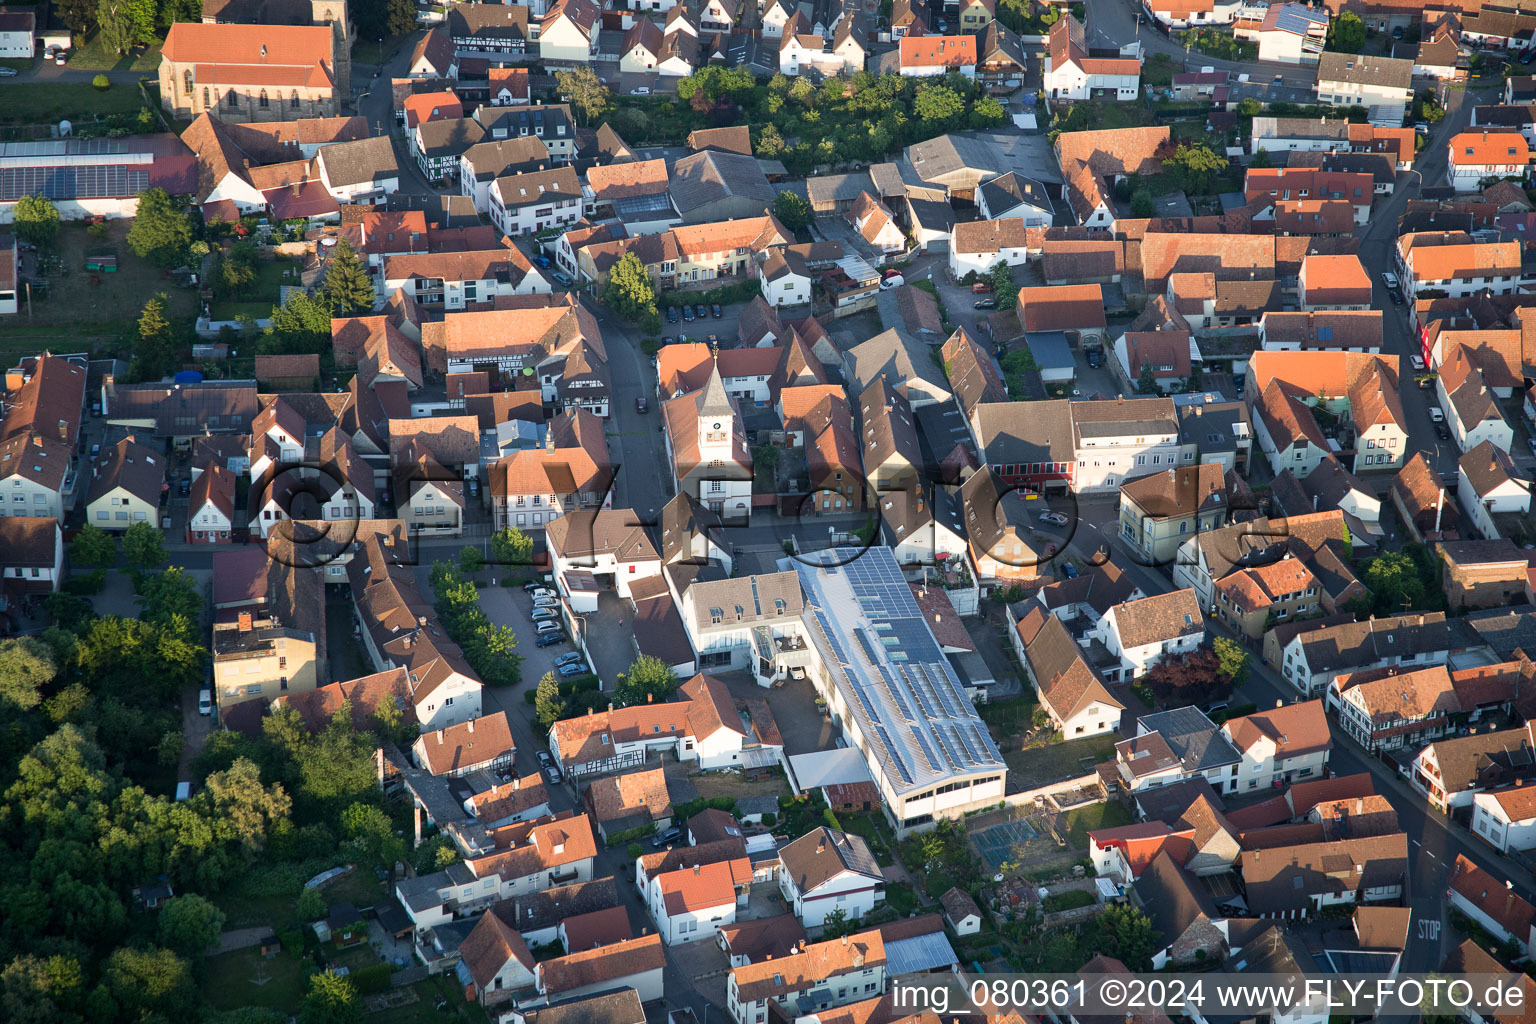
(1293, 18)
(73, 182)
(905, 697)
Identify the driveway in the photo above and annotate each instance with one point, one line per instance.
(611, 637)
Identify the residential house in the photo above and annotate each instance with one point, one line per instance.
(568, 32)
(33, 554)
(1173, 747)
(635, 964)
(1310, 659)
(256, 659)
(999, 55)
(816, 977)
(1491, 903)
(1073, 72)
(536, 201)
(1451, 262)
(428, 496)
(1336, 283)
(1474, 156)
(1299, 881)
(1491, 492)
(629, 802)
(484, 162)
(610, 545)
(1418, 494)
(1142, 633)
(1192, 13)
(1123, 439)
(1397, 709)
(824, 871)
(1076, 698)
(1383, 85)
(495, 959)
(1451, 772)
(1280, 746)
(926, 56)
(454, 281)
(17, 39)
(714, 186)
(842, 47)
(997, 519)
(1182, 912)
(1506, 817)
(495, 32)
(1168, 358)
(1160, 511)
(695, 902)
(873, 222)
(479, 744)
(1287, 33)
(533, 487)
(978, 246)
(211, 506)
(1470, 406)
(127, 483)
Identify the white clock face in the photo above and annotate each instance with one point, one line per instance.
(717, 426)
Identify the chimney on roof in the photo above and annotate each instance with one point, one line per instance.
(245, 621)
(696, 871)
(439, 735)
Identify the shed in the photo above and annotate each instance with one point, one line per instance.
(1053, 356)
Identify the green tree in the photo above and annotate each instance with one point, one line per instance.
(348, 288)
(368, 827)
(1196, 166)
(163, 596)
(1126, 934)
(765, 460)
(161, 233)
(148, 981)
(189, 924)
(401, 19)
(302, 324)
(92, 548)
(588, 94)
(470, 560)
(1249, 107)
(156, 346)
(511, 546)
(938, 105)
(770, 144)
(115, 20)
(26, 667)
(547, 702)
(311, 905)
(1146, 381)
(1232, 660)
(792, 210)
(37, 220)
(1393, 579)
(246, 811)
(648, 679)
(628, 291)
(79, 15)
(987, 112)
(144, 546)
(1141, 203)
(331, 1000)
(236, 270)
(38, 990)
(1346, 33)
(836, 925)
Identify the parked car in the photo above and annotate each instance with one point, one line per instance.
(546, 602)
(891, 272)
(549, 638)
(61, 58)
(1054, 518)
(640, 405)
(1069, 571)
(544, 615)
(713, 339)
(1436, 415)
(540, 590)
(671, 835)
(668, 340)
(549, 626)
(892, 282)
(1425, 383)
(552, 775)
(981, 288)
(563, 280)
(542, 262)
(7, 72)
(1397, 297)
(1442, 431)
(688, 314)
(716, 312)
(546, 759)
(986, 303)
(95, 450)
(1389, 279)
(205, 701)
(702, 311)
(644, 91)
(184, 486)
(569, 658)
(1417, 362)
(572, 670)
(671, 314)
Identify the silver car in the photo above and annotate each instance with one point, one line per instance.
(1054, 518)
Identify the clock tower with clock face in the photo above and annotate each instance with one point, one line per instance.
(717, 420)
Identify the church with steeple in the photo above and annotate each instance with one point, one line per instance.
(707, 446)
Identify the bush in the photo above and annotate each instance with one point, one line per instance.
(293, 941)
(631, 834)
(770, 819)
(1072, 900)
(634, 851)
(371, 979)
(89, 583)
(102, 83)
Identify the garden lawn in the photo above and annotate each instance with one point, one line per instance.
(243, 978)
(424, 1010)
(873, 831)
(902, 899)
(1039, 766)
(1082, 820)
(261, 296)
(93, 55)
(42, 102)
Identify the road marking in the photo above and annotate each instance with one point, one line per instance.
(1093, 526)
(1429, 854)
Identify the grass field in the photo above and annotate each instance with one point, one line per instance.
(261, 296)
(424, 1009)
(116, 297)
(42, 102)
(92, 55)
(1040, 766)
(1082, 820)
(243, 978)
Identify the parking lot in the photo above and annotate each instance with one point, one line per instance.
(726, 328)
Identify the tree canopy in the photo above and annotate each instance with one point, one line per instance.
(348, 288)
(1346, 33)
(648, 678)
(161, 232)
(792, 210)
(628, 290)
(36, 220)
(589, 96)
(1195, 165)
